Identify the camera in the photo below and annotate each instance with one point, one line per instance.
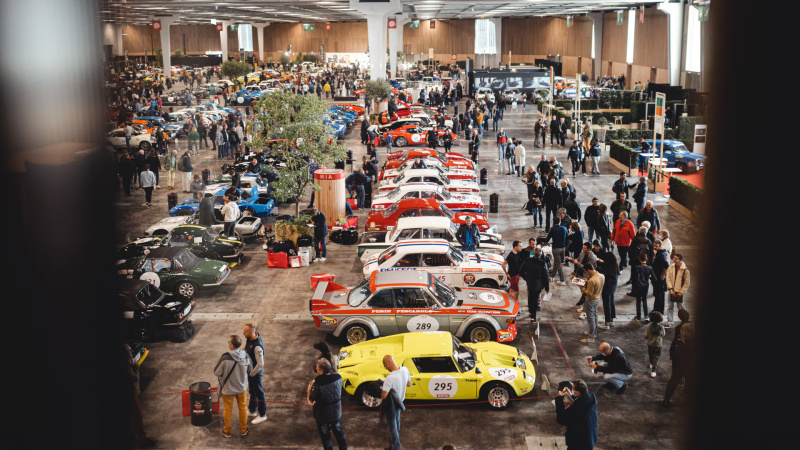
(565, 384)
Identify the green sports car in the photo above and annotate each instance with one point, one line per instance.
(175, 269)
(202, 240)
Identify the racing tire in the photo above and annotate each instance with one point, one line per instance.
(682, 166)
(356, 334)
(486, 283)
(186, 288)
(400, 141)
(498, 395)
(480, 332)
(362, 397)
(183, 212)
(183, 333)
(145, 145)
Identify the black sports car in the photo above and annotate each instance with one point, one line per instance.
(152, 314)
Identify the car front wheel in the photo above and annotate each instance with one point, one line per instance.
(400, 142)
(497, 394)
(186, 288)
(144, 145)
(681, 166)
(364, 398)
(491, 284)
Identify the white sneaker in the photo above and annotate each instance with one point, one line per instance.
(652, 374)
(316, 260)
(259, 419)
(582, 316)
(252, 414)
(323, 259)
(561, 283)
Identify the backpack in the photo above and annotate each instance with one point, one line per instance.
(181, 166)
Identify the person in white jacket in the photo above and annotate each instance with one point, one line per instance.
(519, 157)
(678, 280)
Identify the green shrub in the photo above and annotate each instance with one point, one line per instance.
(686, 129)
(637, 110)
(685, 193)
(602, 121)
(623, 133)
(626, 98)
(622, 151)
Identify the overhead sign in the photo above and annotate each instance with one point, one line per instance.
(433, 24)
(413, 25)
(702, 13)
(157, 25)
(308, 27)
(453, 56)
(620, 18)
(220, 27)
(392, 23)
(328, 26)
(569, 21)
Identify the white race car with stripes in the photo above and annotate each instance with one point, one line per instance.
(445, 262)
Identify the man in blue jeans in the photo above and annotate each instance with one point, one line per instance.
(393, 393)
(325, 396)
(559, 236)
(502, 141)
(320, 231)
(254, 347)
(613, 365)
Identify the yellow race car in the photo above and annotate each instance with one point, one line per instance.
(441, 368)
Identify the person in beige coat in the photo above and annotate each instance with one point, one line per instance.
(678, 280)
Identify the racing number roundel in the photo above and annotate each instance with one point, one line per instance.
(491, 297)
(423, 323)
(152, 278)
(415, 137)
(502, 373)
(443, 386)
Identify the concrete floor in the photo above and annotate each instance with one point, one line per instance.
(277, 301)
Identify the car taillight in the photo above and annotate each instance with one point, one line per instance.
(218, 278)
(511, 320)
(317, 321)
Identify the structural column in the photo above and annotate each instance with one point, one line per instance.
(597, 29)
(260, 27)
(166, 21)
(223, 37)
(112, 35)
(377, 14)
(676, 19)
(395, 41)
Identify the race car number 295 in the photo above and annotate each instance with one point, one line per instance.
(443, 386)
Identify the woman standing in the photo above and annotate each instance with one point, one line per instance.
(682, 355)
(536, 196)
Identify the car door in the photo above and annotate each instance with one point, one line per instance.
(418, 311)
(414, 135)
(381, 310)
(441, 266)
(438, 377)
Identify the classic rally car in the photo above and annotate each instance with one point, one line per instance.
(139, 140)
(425, 151)
(445, 262)
(372, 242)
(441, 368)
(385, 219)
(176, 270)
(351, 107)
(205, 242)
(415, 135)
(151, 313)
(246, 226)
(676, 154)
(400, 300)
(255, 204)
(453, 173)
(431, 158)
(429, 176)
(456, 202)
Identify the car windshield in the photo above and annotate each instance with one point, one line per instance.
(402, 167)
(399, 178)
(185, 260)
(679, 148)
(444, 194)
(445, 211)
(387, 254)
(453, 227)
(456, 255)
(209, 235)
(442, 157)
(150, 295)
(443, 293)
(441, 169)
(463, 355)
(395, 192)
(390, 210)
(359, 294)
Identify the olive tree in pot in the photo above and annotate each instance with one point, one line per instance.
(601, 136)
(378, 91)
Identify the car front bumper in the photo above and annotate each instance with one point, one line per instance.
(222, 277)
(509, 334)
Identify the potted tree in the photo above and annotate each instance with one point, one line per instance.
(601, 135)
(379, 91)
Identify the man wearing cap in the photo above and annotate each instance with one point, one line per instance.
(254, 347)
(592, 290)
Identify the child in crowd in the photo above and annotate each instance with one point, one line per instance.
(654, 334)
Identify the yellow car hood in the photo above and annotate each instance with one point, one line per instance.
(366, 353)
(493, 354)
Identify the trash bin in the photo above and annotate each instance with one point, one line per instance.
(494, 203)
(200, 401)
(172, 200)
(206, 177)
(484, 176)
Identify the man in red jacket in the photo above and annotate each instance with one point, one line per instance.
(622, 235)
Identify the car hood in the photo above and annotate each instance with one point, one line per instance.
(369, 356)
(495, 355)
(482, 260)
(209, 267)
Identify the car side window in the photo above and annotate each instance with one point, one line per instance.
(409, 233)
(410, 213)
(410, 298)
(430, 213)
(428, 194)
(158, 265)
(435, 364)
(382, 299)
(439, 233)
(411, 195)
(408, 261)
(436, 260)
(433, 180)
(414, 180)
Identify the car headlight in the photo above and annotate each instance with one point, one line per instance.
(343, 354)
(521, 363)
(691, 164)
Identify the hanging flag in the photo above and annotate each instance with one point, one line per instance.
(392, 24)
(220, 27)
(433, 24)
(702, 13)
(328, 26)
(641, 14)
(620, 18)
(414, 25)
(157, 25)
(569, 21)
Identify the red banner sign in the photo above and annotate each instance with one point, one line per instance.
(392, 24)
(328, 26)
(157, 25)
(220, 27)
(433, 24)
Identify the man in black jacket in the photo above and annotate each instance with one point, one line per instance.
(468, 235)
(534, 272)
(552, 201)
(325, 396)
(579, 416)
(613, 365)
(555, 131)
(640, 196)
(607, 265)
(590, 216)
(619, 205)
(660, 266)
(639, 244)
(563, 128)
(650, 215)
(621, 186)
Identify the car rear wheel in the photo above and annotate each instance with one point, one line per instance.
(480, 332)
(681, 166)
(485, 283)
(186, 288)
(400, 141)
(144, 145)
(497, 394)
(356, 334)
(183, 212)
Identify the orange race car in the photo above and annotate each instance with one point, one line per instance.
(351, 107)
(431, 157)
(423, 152)
(413, 135)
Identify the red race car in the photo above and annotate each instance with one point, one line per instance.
(413, 135)
(435, 159)
(403, 154)
(453, 173)
(454, 201)
(386, 219)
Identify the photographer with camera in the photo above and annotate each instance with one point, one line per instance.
(577, 410)
(613, 365)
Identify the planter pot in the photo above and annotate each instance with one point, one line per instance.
(286, 233)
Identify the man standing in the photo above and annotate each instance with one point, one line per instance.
(320, 231)
(231, 213)
(555, 131)
(574, 155)
(537, 131)
(678, 280)
(613, 365)
(579, 416)
(205, 210)
(325, 396)
(128, 134)
(607, 265)
(592, 291)
(502, 140)
(148, 181)
(563, 128)
(622, 236)
(254, 347)
(620, 205)
(660, 266)
(586, 135)
(231, 371)
(394, 389)
(590, 216)
(185, 167)
(621, 186)
(519, 157)
(170, 162)
(640, 196)
(359, 181)
(650, 215)
(126, 170)
(534, 272)
(594, 152)
(552, 201)
(468, 235)
(559, 236)
(511, 268)
(543, 168)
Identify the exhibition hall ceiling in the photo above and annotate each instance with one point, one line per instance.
(196, 12)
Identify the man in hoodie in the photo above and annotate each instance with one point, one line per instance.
(534, 272)
(325, 396)
(254, 347)
(395, 386)
(231, 371)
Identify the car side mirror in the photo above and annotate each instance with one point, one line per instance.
(478, 370)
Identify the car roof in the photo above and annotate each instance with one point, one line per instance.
(409, 203)
(420, 172)
(164, 252)
(398, 277)
(419, 186)
(438, 246)
(429, 221)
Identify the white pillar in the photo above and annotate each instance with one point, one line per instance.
(377, 14)
(395, 41)
(223, 37)
(166, 21)
(675, 13)
(493, 59)
(112, 35)
(597, 18)
(260, 27)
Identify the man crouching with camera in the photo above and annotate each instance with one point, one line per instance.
(577, 410)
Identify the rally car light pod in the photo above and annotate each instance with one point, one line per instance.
(343, 354)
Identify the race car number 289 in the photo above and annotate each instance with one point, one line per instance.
(423, 323)
(443, 386)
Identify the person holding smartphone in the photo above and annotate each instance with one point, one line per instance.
(579, 416)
